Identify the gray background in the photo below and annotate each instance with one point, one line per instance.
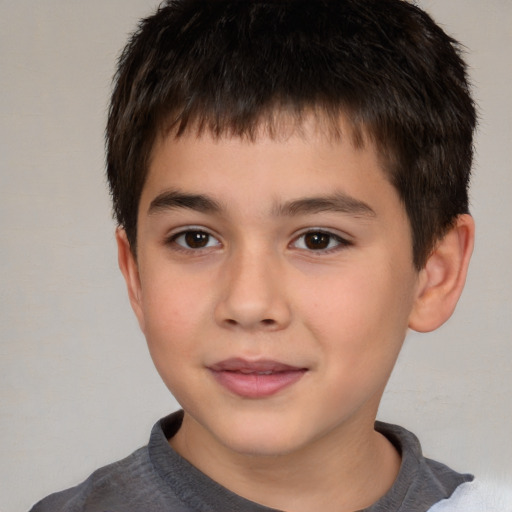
(77, 386)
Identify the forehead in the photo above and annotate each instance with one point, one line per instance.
(278, 124)
(279, 163)
(313, 127)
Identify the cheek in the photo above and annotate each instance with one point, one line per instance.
(173, 312)
(361, 312)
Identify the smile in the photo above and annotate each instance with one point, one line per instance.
(255, 379)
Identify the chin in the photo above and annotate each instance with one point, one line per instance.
(259, 446)
(263, 438)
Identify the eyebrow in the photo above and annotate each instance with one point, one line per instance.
(338, 202)
(173, 199)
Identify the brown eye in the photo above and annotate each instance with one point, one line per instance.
(320, 241)
(317, 241)
(194, 240)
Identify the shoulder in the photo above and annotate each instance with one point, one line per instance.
(105, 485)
(142, 481)
(477, 496)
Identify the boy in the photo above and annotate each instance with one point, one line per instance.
(290, 182)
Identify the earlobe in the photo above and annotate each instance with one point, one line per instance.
(441, 281)
(130, 271)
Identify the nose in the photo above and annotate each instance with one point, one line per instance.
(254, 295)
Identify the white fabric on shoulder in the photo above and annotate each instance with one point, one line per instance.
(477, 496)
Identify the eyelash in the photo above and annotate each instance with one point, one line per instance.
(340, 242)
(173, 240)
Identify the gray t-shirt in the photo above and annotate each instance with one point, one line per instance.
(156, 479)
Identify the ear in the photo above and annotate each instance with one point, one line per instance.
(130, 271)
(442, 279)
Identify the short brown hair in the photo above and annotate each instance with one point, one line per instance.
(228, 66)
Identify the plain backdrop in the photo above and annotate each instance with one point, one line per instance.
(77, 386)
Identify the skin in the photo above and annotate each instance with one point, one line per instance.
(257, 287)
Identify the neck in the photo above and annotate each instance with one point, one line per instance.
(345, 470)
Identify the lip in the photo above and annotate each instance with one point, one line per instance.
(255, 379)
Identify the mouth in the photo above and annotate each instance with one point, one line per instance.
(255, 379)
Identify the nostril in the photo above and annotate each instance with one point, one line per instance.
(265, 322)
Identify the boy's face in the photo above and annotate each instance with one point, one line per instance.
(274, 284)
